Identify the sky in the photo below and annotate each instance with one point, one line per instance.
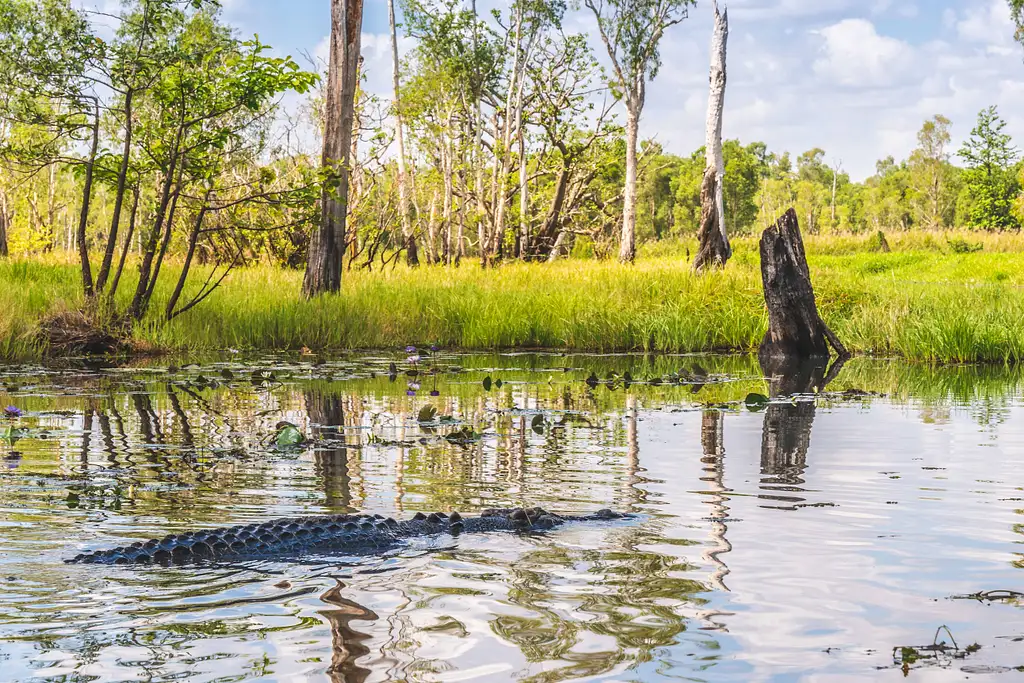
(856, 78)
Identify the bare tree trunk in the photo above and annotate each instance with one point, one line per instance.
(5, 224)
(411, 254)
(557, 247)
(432, 230)
(627, 245)
(714, 249)
(122, 181)
(127, 242)
(327, 244)
(83, 220)
(835, 187)
(524, 194)
(446, 211)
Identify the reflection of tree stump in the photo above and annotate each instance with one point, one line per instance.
(795, 329)
(327, 416)
(346, 641)
(786, 436)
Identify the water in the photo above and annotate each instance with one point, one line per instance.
(826, 537)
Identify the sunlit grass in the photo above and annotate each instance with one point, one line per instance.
(924, 304)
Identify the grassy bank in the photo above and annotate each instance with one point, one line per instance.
(923, 302)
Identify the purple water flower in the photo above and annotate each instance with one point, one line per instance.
(435, 392)
(12, 412)
(413, 359)
(414, 386)
(410, 349)
(434, 348)
(410, 393)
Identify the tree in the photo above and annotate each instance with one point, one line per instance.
(1017, 14)
(990, 187)
(327, 245)
(714, 249)
(403, 177)
(930, 173)
(631, 31)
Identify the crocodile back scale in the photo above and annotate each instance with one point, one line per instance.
(349, 534)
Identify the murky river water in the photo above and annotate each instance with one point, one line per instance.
(826, 537)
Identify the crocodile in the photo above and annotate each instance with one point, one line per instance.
(358, 534)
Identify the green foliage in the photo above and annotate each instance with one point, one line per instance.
(989, 184)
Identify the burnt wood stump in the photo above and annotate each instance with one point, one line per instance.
(795, 329)
(713, 250)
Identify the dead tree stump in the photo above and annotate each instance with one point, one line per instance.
(713, 250)
(795, 329)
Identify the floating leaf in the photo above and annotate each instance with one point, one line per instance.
(288, 435)
(756, 402)
(537, 424)
(487, 383)
(428, 413)
(497, 384)
(227, 374)
(593, 381)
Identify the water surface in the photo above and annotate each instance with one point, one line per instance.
(827, 534)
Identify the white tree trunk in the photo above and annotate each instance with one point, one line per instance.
(403, 183)
(524, 199)
(716, 106)
(627, 246)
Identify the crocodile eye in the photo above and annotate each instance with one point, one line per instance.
(520, 516)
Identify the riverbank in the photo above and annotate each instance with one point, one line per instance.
(922, 303)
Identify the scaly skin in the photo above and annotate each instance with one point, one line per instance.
(350, 534)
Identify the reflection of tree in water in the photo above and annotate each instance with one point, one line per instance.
(326, 413)
(347, 643)
(786, 436)
(713, 444)
(634, 599)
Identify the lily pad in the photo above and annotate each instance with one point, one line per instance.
(756, 402)
(288, 435)
(487, 383)
(427, 413)
(537, 424)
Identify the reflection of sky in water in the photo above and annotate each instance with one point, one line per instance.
(755, 559)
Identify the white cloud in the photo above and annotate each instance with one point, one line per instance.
(856, 55)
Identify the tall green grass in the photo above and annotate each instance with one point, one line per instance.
(921, 304)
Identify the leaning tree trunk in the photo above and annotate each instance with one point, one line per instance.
(795, 329)
(714, 247)
(327, 244)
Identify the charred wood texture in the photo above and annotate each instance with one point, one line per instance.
(795, 329)
(714, 249)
